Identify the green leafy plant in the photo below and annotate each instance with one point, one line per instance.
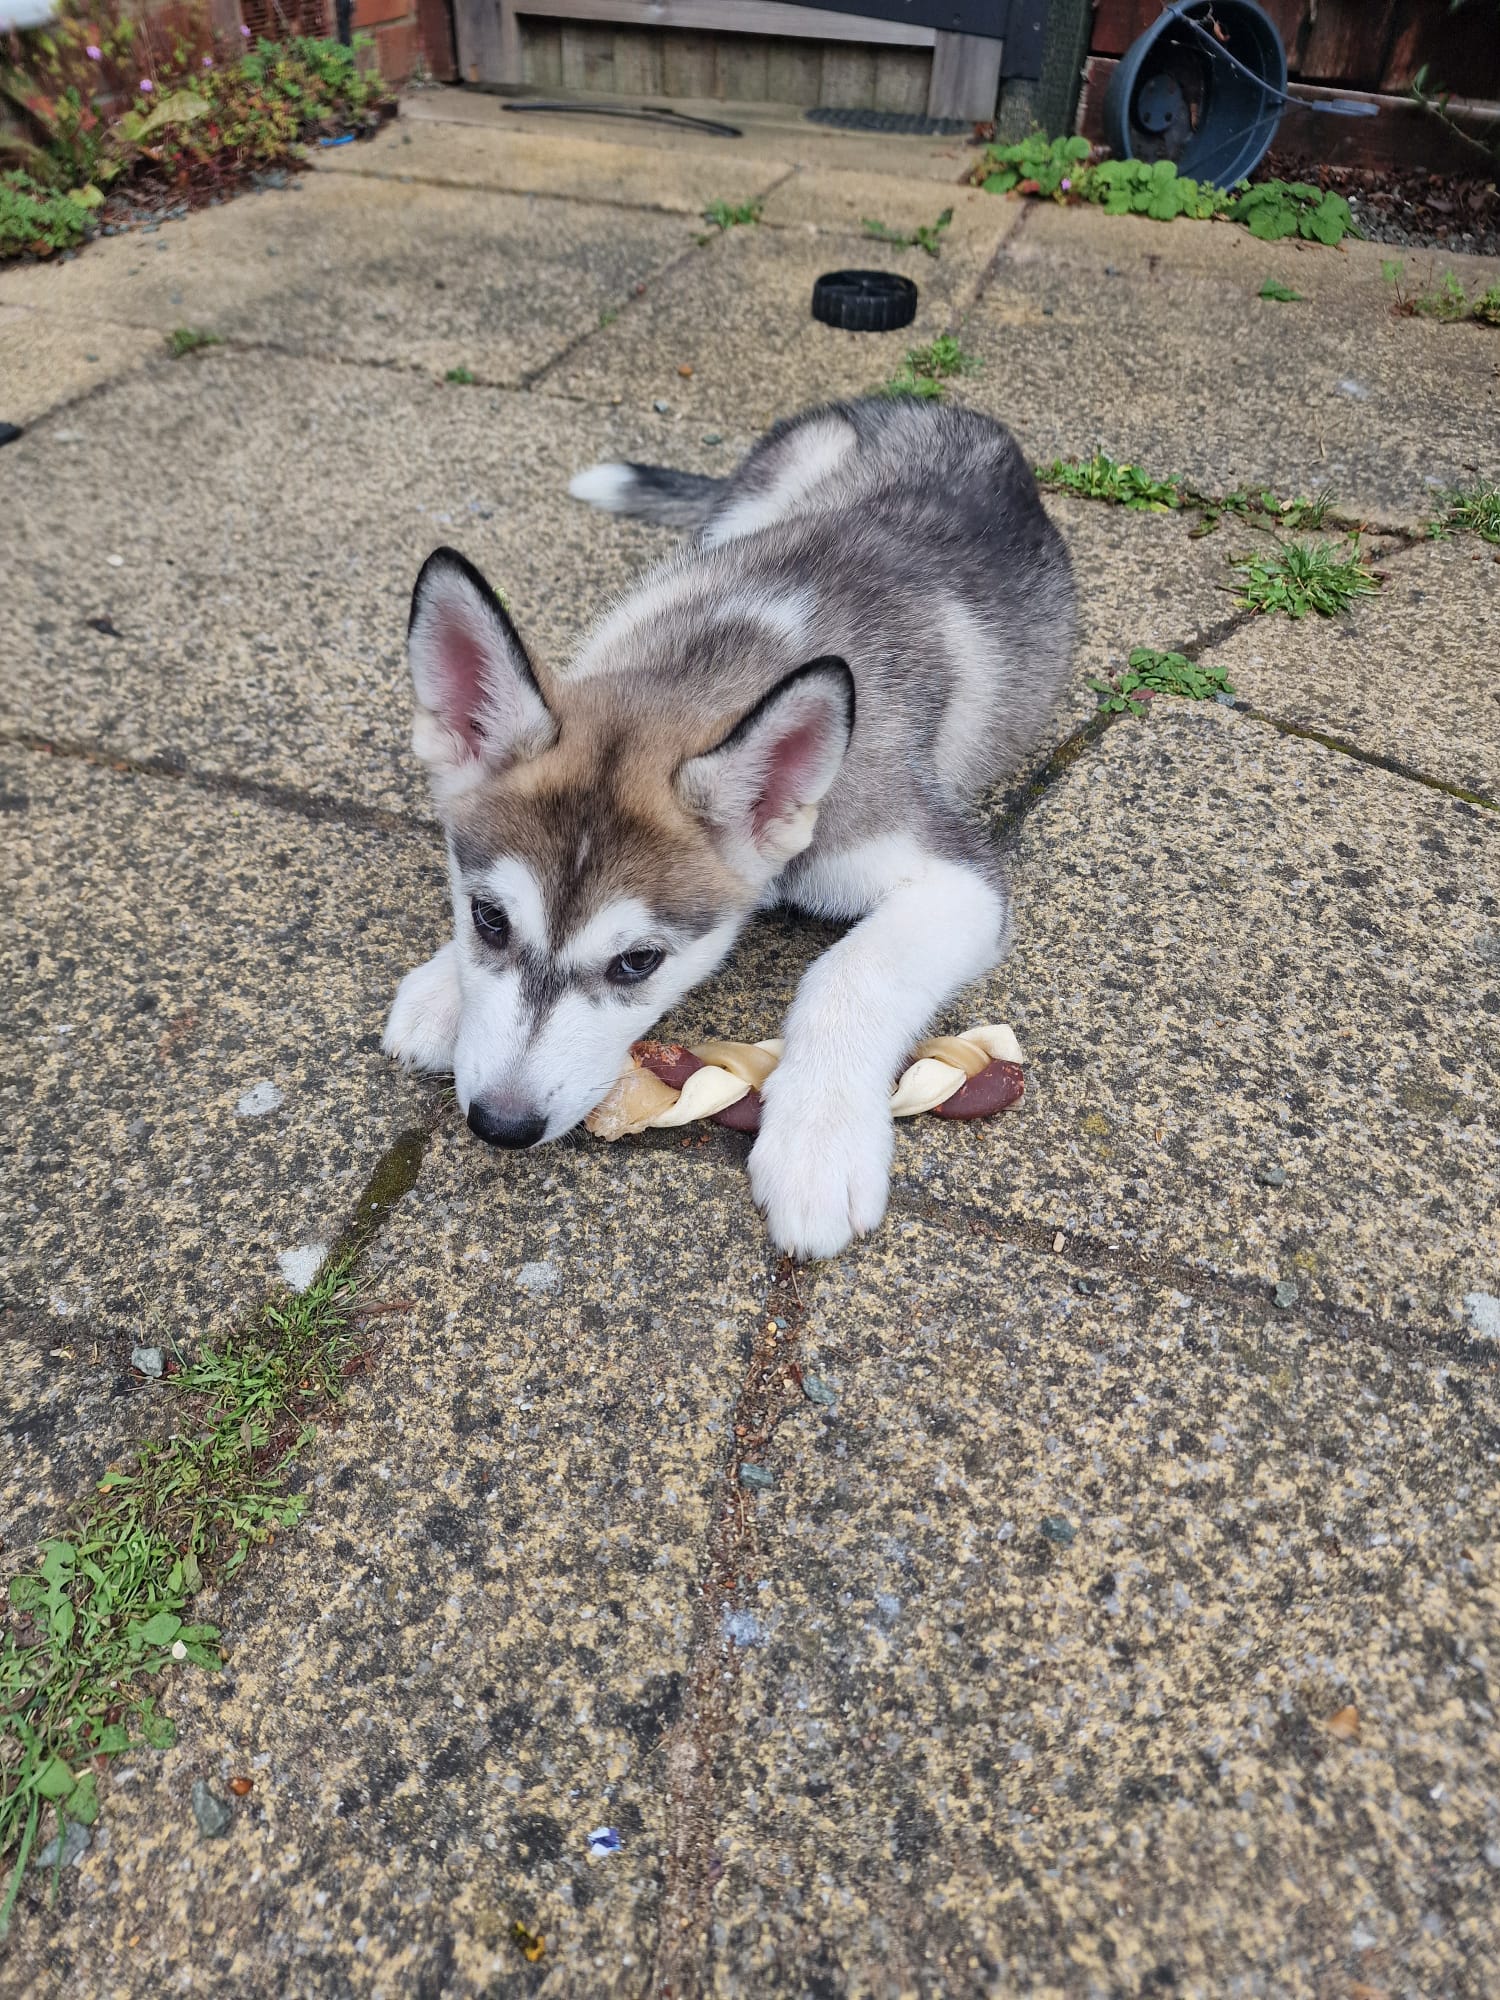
(108, 1606)
(1274, 289)
(927, 371)
(106, 99)
(1298, 577)
(38, 221)
(1472, 510)
(1154, 188)
(460, 375)
(1486, 308)
(189, 339)
(1104, 478)
(927, 236)
(1273, 209)
(1067, 170)
(726, 215)
(1035, 165)
(1149, 673)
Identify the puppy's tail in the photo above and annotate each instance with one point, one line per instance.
(650, 492)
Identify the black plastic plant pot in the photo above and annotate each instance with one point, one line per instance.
(864, 301)
(1204, 87)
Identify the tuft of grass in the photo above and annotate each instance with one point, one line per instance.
(1298, 577)
(725, 215)
(107, 1608)
(927, 236)
(1104, 478)
(1470, 510)
(189, 339)
(1149, 673)
(1447, 301)
(1274, 289)
(926, 371)
(463, 376)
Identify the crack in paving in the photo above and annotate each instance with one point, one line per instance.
(1376, 759)
(771, 1390)
(319, 807)
(723, 1626)
(532, 376)
(1088, 1254)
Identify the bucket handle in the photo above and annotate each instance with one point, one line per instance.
(1340, 107)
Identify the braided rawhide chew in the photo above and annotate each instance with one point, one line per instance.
(972, 1075)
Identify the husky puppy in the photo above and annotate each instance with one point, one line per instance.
(870, 624)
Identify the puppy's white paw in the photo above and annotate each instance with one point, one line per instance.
(821, 1168)
(423, 1024)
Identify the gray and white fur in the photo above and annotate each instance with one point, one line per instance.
(871, 624)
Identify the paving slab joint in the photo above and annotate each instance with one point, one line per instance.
(1084, 1256)
(1377, 759)
(724, 1624)
(318, 807)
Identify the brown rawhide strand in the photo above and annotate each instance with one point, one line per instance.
(973, 1075)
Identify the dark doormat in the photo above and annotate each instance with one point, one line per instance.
(889, 121)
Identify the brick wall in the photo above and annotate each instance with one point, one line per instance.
(406, 31)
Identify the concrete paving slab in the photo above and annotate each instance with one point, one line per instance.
(841, 202)
(1229, 255)
(43, 365)
(196, 991)
(361, 270)
(466, 1660)
(1410, 674)
(1187, 372)
(740, 317)
(1055, 1608)
(768, 131)
(1142, 580)
(511, 161)
(259, 617)
(1241, 955)
(1237, 956)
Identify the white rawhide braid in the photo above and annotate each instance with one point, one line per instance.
(971, 1075)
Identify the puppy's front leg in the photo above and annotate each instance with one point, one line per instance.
(821, 1167)
(423, 1024)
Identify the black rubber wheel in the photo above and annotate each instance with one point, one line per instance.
(864, 301)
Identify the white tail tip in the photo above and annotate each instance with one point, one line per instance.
(606, 486)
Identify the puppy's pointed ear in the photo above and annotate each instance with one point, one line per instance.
(478, 704)
(761, 787)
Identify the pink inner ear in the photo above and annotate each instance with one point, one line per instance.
(792, 763)
(461, 664)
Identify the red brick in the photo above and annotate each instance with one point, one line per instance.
(435, 20)
(398, 45)
(370, 13)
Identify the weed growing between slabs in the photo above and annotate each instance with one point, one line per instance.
(1298, 577)
(927, 371)
(927, 236)
(107, 1610)
(1150, 673)
(726, 215)
(1472, 510)
(1104, 478)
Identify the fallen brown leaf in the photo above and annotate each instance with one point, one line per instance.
(1344, 1725)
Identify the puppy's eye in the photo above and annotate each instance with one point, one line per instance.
(635, 965)
(491, 922)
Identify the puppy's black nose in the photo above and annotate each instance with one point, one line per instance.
(505, 1128)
